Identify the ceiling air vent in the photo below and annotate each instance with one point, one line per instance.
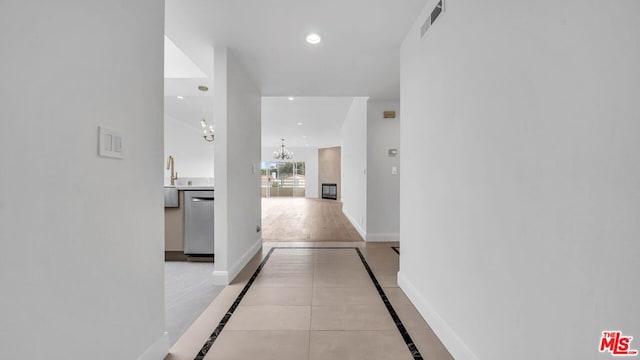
(432, 18)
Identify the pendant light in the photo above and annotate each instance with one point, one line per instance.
(208, 133)
(282, 153)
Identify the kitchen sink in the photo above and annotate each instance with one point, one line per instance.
(171, 198)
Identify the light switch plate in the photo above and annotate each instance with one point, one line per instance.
(110, 143)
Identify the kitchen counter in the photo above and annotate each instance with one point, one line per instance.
(191, 187)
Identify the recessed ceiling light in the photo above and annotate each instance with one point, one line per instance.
(314, 38)
(299, 123)
(304, 136)
(180, 97)
(306, 144)
(291, 98)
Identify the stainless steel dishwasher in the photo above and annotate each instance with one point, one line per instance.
(198, 223)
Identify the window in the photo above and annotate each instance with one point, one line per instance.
(283, 178)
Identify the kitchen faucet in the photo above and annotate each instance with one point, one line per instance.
(170, 165)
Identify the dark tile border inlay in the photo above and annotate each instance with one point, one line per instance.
(225, 319)
(396, 319)
(396, 249)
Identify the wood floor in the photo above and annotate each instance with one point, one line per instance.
(300, 219)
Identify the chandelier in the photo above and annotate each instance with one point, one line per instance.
(207, 129)
(208, 134)
(282, 153)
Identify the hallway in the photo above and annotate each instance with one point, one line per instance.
(313, 301)
(497, 140)
(301, 219)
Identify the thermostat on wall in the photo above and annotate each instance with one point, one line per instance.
(110, 143)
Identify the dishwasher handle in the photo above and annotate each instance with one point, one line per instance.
(198, 199)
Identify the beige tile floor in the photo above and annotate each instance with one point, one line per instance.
(313, 304)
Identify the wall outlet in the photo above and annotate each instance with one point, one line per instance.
(394, 170)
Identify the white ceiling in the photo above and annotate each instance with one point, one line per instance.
(359, 54)
(193, 106)
(177, 64)
(321, 119)
(182, 77)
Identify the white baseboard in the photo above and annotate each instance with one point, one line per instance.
(220, 277)
(382, 237)
(224, 277)
(355, 224)
(158, 350)
(445, 333)
(235, 269)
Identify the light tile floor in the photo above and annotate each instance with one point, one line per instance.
(189, 289)
(313, 304)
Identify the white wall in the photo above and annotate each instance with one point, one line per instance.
(383, 188)
(310, 157)
(237, 104)
(354, 165)
(193, 155)
(520, 173)
(82, 260)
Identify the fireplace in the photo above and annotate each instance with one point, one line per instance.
(330, 191)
